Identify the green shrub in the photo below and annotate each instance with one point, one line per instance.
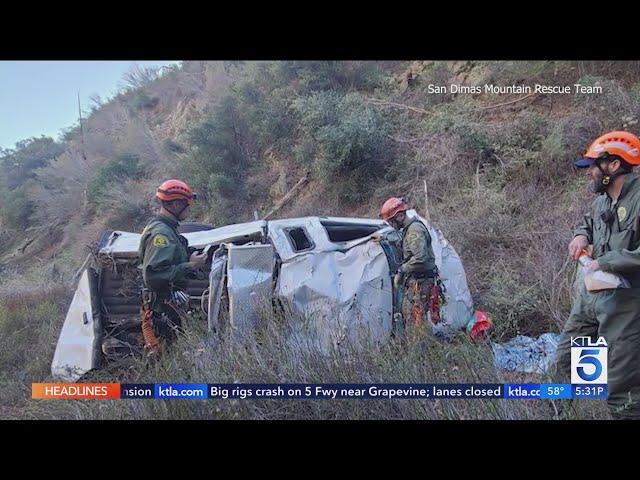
(18, 164)
(526, 72)
(125, 166)
(610, 107)
(127, 207)
(171, 146)
(16, 209)
(312, 76)
(267, 113)
(218, 162)
(567, 140)
(141, 100)
(634, 93)
(475, 135)
(342, 76)
(351, 141)
(259, 114)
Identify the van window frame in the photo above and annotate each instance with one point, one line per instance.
(287, 234)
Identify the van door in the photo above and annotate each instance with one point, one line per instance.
(250, 270)
(77, 349)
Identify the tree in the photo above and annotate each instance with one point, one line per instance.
(125, 166)
(219, 159)
(18, 165)
(16, 209)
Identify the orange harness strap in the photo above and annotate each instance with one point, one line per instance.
(417, 309)
(434, 303)
(151, 342)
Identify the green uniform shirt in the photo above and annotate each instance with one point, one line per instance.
(417, 254)
(616, 244)
(164, 256)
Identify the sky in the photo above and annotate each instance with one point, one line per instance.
(41, 97)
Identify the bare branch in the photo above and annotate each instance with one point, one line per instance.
(296, 188)
(507, 103)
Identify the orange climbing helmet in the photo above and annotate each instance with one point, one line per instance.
(392, 207)
(176, 190)
(624, 144)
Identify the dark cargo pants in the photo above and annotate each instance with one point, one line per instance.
(166, 321)
(614, 315)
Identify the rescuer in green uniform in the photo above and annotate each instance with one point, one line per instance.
(418, 271)
(166, 264)
(613, 229)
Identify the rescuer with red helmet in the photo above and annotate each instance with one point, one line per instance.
(166, 264)
(417, 274)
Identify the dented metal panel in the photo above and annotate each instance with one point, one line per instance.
(125, 244)
(241, 232)
(317, 234)
(216, 286)
(75, 352)
(250, 282)
(122, 244)
(339, 295)
(278, 233)
(327, 281)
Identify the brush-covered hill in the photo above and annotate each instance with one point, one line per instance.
(498, 167)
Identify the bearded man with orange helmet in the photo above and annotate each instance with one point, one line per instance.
(418, 271)
(166, 262)
(610, 232)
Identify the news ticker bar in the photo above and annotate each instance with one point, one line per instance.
(368, 391)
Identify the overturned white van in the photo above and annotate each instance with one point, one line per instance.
(334, 272)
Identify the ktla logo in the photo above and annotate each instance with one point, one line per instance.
(588, 360)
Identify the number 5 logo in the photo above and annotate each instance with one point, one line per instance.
(589, 357)
(589, 362)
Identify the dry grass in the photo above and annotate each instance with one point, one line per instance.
(270, 355)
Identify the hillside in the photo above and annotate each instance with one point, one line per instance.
(498, 167)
